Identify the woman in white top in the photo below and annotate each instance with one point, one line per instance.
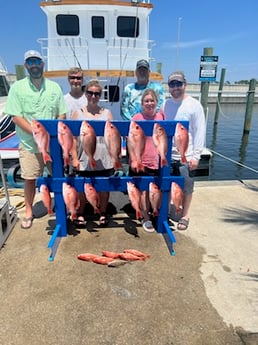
(104, 166)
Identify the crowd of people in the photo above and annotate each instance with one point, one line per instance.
(36, 97)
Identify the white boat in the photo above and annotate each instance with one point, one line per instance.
(104, 38)
(8, 139)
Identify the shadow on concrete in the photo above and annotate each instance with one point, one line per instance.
(241, 216)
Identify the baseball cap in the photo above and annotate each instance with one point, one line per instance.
(178, 76)
(31, 54)
(143, 63)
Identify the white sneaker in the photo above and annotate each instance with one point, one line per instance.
(148, 226)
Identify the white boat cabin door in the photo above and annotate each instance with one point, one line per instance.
(97, 37)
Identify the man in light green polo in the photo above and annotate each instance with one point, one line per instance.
(33, 97)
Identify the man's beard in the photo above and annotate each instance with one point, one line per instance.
(142, 79)
(35, 72)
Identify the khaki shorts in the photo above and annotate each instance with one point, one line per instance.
(32, 165)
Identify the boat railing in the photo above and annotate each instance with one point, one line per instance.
(132, 1)
(65, 52)
(115, 53)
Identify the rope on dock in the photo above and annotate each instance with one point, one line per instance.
(233, 161)
(220, 110)
(18, 204)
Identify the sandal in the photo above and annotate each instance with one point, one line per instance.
(27, 223)
(182, 224)
(103, 221)
(79, 222)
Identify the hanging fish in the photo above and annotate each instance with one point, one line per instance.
(89, 142)
(42, 139)
(181, 141)
(134, 195)
(71, 199)
(136, 145)
(160, 140)
(177, 196)
(155, 196)
(113, 141)
(65, 139)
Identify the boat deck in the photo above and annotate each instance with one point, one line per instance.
(205, 294)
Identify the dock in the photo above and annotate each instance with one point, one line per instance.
(207, 294)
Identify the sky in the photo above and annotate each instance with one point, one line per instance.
(180, 29)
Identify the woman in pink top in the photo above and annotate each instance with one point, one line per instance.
(150, 157)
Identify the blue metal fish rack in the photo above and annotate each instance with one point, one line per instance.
(113, 183)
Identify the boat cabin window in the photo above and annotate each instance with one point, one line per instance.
(97, 24)
(67, 25)
(127, 26)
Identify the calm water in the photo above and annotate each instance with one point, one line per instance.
(227, 139)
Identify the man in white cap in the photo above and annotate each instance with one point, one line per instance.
(182, 107)
(33, 97)
(132, 94)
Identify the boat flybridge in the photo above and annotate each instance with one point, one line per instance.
(105, 38)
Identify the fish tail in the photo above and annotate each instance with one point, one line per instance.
(96, 210)
(138, 214)
(118, 165)
(46, 158)
(155, 213)
(164, 162)
(73, 216)
(67, 160)
(93, 163)
(139, 167)
(183, 159)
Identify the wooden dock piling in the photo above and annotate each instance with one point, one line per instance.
(249, 106)
(205, 84)
(222, 78)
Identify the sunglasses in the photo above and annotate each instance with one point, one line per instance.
(91, 93)
(72, 77)
(175, 84)
(33, 61)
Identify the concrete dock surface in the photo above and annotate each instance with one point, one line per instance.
(207, 294)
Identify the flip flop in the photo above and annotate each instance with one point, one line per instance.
(182, 224)
(27, 223)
